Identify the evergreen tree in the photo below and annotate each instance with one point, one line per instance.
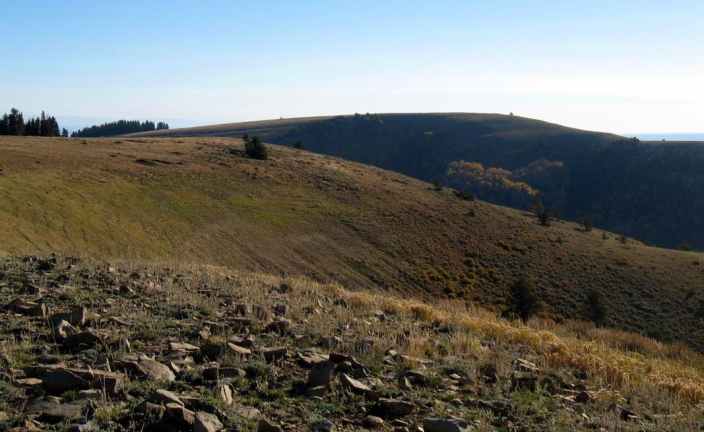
(255, 149)
(524, 302)
(15, 122)
(64, 133)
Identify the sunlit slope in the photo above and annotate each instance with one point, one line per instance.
(200, 200)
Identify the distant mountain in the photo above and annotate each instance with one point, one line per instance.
(671, 136)
(648, 190)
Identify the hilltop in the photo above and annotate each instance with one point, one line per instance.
(647, 190)
(128, 346)
(199, 200)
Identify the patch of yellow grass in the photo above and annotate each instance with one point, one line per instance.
(607, 354)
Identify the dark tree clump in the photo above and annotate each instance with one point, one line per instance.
(15, 124)
(524, 302)
(255, 148)
(119, 127)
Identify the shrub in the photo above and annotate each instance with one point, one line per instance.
(587, 224)
(464, 195)
(524, 302)
(597, 309)
(255, 148)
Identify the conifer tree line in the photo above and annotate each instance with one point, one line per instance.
(13, 123)
(118, 128)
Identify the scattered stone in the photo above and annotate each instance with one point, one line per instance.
(206, 422)
(265, 425)
(280, 326)
(239, 350)
(82, 340)
(223, 392)
(183, 347)
(29, 382)
(524, 381)
(150, 369)
(321, 375)
(432, 424)
(308, 359)
(318, 391)
(373, 422)
(57, 379)
(64, 329)
(393, 408)
(354, 385)
(49, 411)
(26, 307)
(416, 377)
(76, 317)
(165, 397)
(243, 341)
(322, 426)
(179, 416)
(274, 354)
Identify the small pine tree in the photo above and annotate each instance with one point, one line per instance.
(255, 148)
(544, 216)
(587, 224)
(597, 309)
(64, 133)
(524, 301)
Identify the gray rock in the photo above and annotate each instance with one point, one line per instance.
(393, 408)
(373, 422)
(434, 424)
(152, 370)
(354, 385)
(206, 422)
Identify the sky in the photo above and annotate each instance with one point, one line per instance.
(617, 66)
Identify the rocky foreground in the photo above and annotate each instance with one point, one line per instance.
(88, 347)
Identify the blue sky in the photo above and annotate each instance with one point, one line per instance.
(622, 66)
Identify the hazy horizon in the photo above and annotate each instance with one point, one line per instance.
(607, 66)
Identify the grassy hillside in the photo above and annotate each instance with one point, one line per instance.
(145, 347)
(646, 190)
(200, 200)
